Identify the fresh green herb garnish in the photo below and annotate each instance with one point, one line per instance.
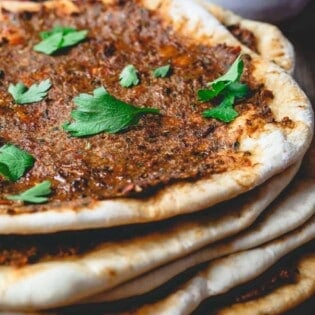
(162, 72)
(218, 85)
(229, 88)
(102, 112)
(129, 76)
(57, 29)
(237, 89)
(59, 37)
(224, 112)
(37, 194)
(14, 162)
(24, 95)
(233, 74)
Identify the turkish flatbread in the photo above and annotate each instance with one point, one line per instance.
(285, 215)
(71, 266)
(263, 149)
(223, 274)
(282, 299)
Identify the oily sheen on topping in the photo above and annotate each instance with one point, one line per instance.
(178, 145)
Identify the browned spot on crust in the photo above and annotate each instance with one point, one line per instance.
(245, 36)
(287, 123)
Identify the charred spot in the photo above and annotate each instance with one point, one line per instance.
(3, 41)
(209, 130)
(167, 90)
(109, 50)
(287, 122)
(267, 94)
(26, 15)
(249, 122)
(79, 184)
(3, 141)
(122, 2)
(236, 145)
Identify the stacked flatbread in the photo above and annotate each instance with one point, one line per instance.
(168, 252)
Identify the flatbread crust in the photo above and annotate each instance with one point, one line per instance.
(279, 301)
(286, 214)
(284, 298)
(289, 296)
(69, 279)
(272, 149)
(223, 274)
(272, 45)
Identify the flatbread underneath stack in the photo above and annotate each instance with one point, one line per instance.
(286, 214)
(103, 264)
(284, 297)
(223, 274)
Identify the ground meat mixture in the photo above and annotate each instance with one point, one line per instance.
(177, 145)
(246, 37)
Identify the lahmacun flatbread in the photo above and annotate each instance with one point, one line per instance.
(104, 258)
(173, 163)
(266, 138)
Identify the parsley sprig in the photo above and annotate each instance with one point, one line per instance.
(14, 162)
(129, 76)
(58, 38)
(224, 112)
(102, 112)
(35, 93)
(229, 88)
(37, 194)
(162, 72)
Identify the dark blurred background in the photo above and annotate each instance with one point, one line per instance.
(301, 32)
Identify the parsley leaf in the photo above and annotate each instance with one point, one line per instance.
(233, 74)
(206, 95)
(59, 37)
(24, 95)
(228, 88)
(237, 89)
(36, 194)
(14, 162)
(218, 85)
(129, 76)
(224, 112)
(162, 72)
(102, 112)
(55, 30)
